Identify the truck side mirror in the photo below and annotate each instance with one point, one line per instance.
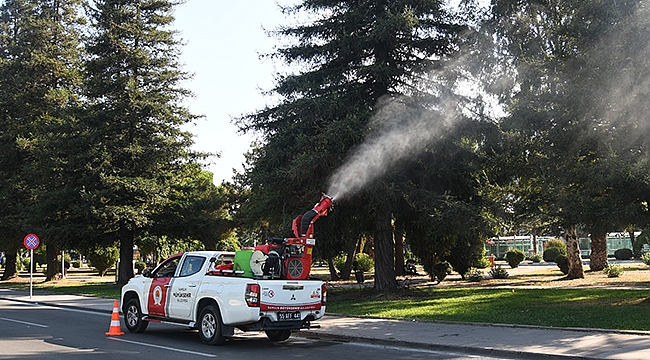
(146, 272)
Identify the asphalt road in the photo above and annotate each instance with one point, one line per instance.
(30, 331)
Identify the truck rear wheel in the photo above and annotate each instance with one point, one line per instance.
(133, 317)
(210, 326)
(278, 335)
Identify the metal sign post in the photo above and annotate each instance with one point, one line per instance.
(31, 242)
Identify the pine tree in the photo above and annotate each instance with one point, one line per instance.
(40, 78)
(136, 114)
(351, 55)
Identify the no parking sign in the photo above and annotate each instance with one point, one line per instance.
(31, 241)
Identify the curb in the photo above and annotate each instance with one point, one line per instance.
(515, 326)
(470, 350)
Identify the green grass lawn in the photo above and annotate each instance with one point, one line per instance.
(588, 308)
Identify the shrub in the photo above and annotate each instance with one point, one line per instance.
(102, 258)
(364, 262)
(556, 243)
(465, 253)
(483, 263)
(613, 270)
(535, 257)
(339, 262)
(623, 254)
(514, 257)
(646, 258)
(75, 264)
(497, 272)
(441, 270)
(474, 275)
(25, 261)
(551, 254)
(140, 265)
(563, 263)
(67, 259)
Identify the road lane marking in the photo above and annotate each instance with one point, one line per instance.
(164, 347)
(24, 322)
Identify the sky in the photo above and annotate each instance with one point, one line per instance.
(223, 41)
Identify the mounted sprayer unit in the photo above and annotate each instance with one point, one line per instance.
(290, 258)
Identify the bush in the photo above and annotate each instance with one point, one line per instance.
(514, 257)
(497, 272)
(25, 264)
(364, 262)
(613, 270)
(75, 264)
(441, 270)
(551, 254)
(646, 258)
(102, 258)
(67, 259)
(623, 254)
(535, 257)
(556, 243)
(483, 263)
(474, 275)
(140, 265)
(562, 262)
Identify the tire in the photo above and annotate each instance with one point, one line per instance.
(210, 326)
(133, 317)
(278, 335)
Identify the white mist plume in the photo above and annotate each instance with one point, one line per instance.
(399, 129)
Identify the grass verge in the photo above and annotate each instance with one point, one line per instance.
(585, 308)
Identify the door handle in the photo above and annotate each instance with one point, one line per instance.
(166, 285)
(191, 285)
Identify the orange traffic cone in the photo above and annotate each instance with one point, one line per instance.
(115, 322)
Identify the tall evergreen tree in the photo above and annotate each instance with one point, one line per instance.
(133, 83)
(560, 115)
(351, 55)
(40, 76)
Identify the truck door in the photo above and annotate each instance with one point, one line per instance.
(185, 286)
(157, 297)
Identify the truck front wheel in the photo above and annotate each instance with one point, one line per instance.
(278, 335)
(133, 317)
(210, 326)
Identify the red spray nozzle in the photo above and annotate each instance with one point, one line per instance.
(323, 205)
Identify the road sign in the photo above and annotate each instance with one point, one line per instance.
(32, 241)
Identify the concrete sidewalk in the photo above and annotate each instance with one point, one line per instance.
(512, 341)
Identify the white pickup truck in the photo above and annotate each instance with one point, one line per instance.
(191, 289)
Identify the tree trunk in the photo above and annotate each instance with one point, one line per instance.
(10, 265)
(384, 251)
(330, 263)
(573, 253)
(399, 250)
(349, 260)
(125, 271)
(598, 257)
(52, 262)
(534, 241)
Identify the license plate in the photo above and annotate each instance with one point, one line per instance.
(286, 316)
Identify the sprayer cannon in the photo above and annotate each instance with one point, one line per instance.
(290, 258)
(303, 226)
